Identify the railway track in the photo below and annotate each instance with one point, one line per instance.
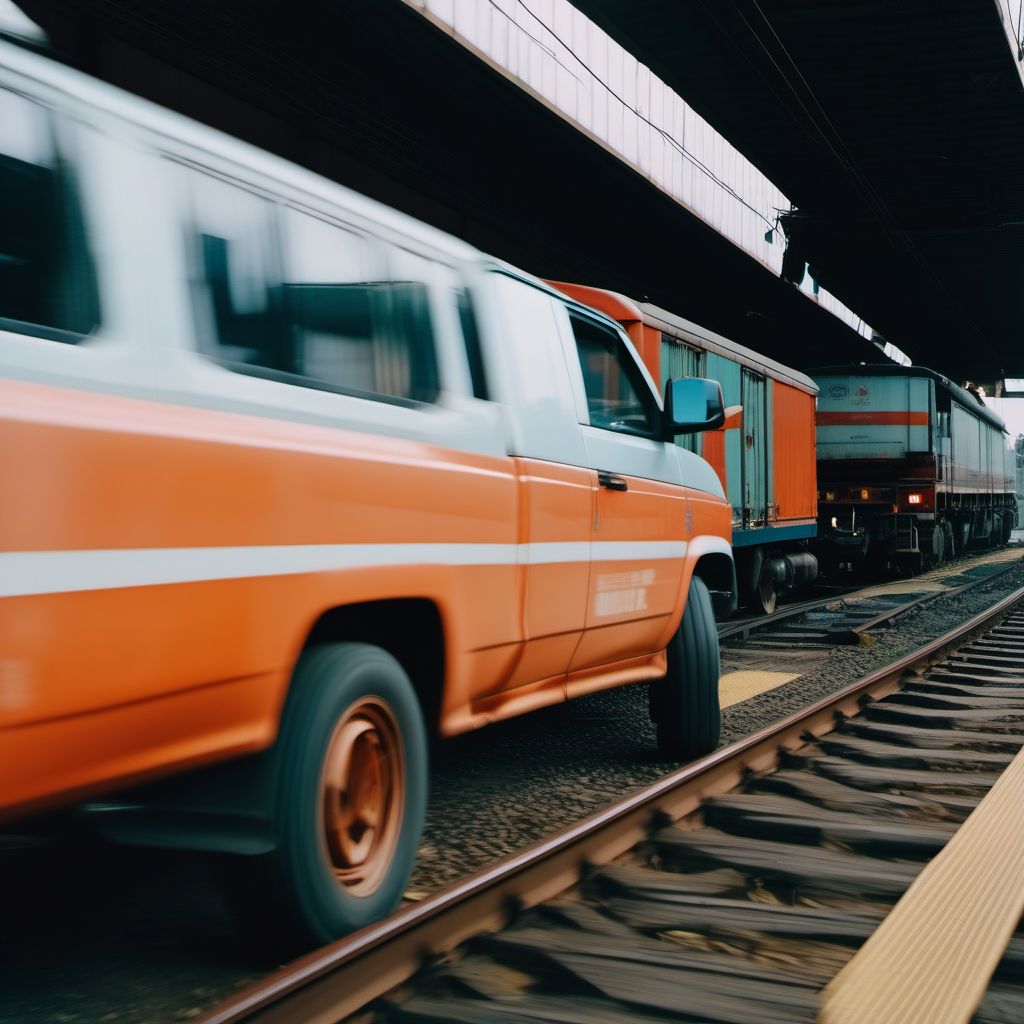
(740, 886)
(844, 617)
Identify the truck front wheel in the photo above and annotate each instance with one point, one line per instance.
(684, 705)
(349, 793)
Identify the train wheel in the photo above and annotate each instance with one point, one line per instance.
(764, 597)
(684, 705)
(349, 797)
(947, 537)
(963, 536)
(933, 548)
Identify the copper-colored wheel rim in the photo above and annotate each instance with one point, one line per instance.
(363, 784)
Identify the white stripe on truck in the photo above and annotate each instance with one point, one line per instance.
(24, 573)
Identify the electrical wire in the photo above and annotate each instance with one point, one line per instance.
(682, 150)
(547, 49)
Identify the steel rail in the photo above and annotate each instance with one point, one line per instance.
(851, 634)
(331, 983)
(754, 623)
(919, 602)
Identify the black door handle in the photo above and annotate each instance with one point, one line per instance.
(612, 481)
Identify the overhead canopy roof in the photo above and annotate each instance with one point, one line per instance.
(373, 95)
(898, 131)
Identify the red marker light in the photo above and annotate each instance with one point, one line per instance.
(913, 499)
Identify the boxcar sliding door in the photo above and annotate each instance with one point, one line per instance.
(755, 446)
(727, 373)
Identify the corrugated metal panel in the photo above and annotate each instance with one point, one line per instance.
(795, 466)
(727, 373)
(755, 449)
(681, 361)
(977, 452)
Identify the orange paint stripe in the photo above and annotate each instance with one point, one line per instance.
(889, 419)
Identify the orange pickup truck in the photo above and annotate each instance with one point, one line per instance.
(290, 481)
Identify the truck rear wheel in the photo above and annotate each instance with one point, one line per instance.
(349, 794)
(684, 705)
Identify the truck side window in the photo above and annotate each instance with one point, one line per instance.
(618, 397)
(47, 280)
(287, 295)
(471, 337)
(405, 350)
(331, 304)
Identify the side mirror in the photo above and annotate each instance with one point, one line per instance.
(692, 404)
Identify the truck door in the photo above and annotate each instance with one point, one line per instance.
(555, 488)
(755, 450)
(640, 515)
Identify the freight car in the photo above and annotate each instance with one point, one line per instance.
(911, 469)
(764, 453)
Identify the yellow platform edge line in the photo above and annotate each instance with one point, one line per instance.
(931, 959)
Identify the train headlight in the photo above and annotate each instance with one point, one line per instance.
(913, 499)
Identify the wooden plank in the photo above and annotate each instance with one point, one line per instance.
(931, 959)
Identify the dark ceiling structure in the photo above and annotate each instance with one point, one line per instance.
(896, 129)
(371, 94)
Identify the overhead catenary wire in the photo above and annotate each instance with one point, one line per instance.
(674, 143)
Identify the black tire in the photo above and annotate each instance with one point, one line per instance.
(684, 705)
(291, 899)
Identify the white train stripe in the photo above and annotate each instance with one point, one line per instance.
(24, 573)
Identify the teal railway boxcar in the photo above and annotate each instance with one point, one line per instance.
(911, 469)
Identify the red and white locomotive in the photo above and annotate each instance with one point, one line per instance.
(912, 469)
